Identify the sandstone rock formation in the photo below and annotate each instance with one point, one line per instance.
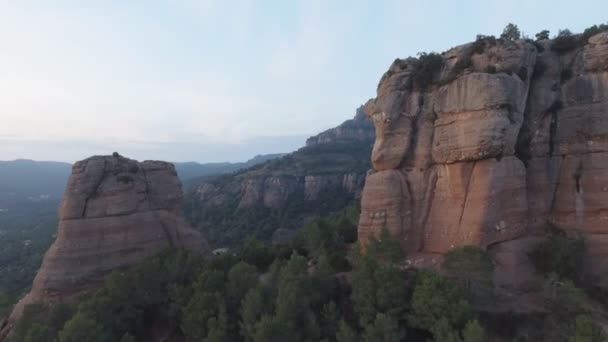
(282, 194)
(115, 212)
(356, 129)
(507, 136)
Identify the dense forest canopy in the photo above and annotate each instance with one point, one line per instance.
(318, 288)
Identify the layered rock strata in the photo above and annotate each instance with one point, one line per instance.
(508, 135)
(283, 195)
(115, 212)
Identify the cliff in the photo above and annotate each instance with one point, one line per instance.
(284, 193)
(357, 129)
(192, 172)
(487, 143)
(114, 213)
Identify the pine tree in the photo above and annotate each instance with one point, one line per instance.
(345, 333)
(474, 332)
(82, 328)
(383, 329)
(511, 32)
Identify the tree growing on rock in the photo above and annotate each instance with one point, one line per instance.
(471, 266)
(511, 32)
(438, 300)
(542, 35)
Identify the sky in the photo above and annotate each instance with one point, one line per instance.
(212, 80)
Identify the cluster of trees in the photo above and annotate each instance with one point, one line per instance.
(26, 235)
(564, 41)
(560, 260)
(318, 288)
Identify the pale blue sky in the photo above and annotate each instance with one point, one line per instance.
(219, 80)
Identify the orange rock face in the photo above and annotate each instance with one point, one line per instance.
(115, 212)
(490, 152)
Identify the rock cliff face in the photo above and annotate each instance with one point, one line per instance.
(505, 137)
(115, 212)
(357, 129)
(283, 193)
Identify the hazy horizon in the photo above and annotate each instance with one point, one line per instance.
(179, 152)
(209, 81)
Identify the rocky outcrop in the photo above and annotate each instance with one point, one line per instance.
(353, 130)
(274, 192)
(505, 137)
(115, 212)
(283, 194)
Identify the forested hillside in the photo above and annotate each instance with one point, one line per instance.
(278, 197)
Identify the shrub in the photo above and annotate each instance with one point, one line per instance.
(471, 265)
(435, 298)
(383, 329)
(481, 42)
(462, 64)
(41, 322)
(559, 254)
(474, 332)
(510, 32)
(377, 287)
(542, 35)
(593, 30)
(5, 305)
(83, 328)
(539, 46)
(584, 329)
(565, 42)
(563, 295)
(385, 248)
(426, 68)
(479, 45)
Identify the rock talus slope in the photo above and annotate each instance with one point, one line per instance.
(508, 135)
(115, 212)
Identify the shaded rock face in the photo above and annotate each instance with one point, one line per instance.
(299, 174)
(272, 186)
(274, 192)
(285, 193)
(115, 212)
(491, 152)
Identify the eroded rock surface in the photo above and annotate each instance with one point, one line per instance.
(504, 139)
(115, 212)
(284, 194)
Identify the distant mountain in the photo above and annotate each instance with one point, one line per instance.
(354, 130)
(30, 193)
(193, 172)
(279, 196)
(27, 180)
